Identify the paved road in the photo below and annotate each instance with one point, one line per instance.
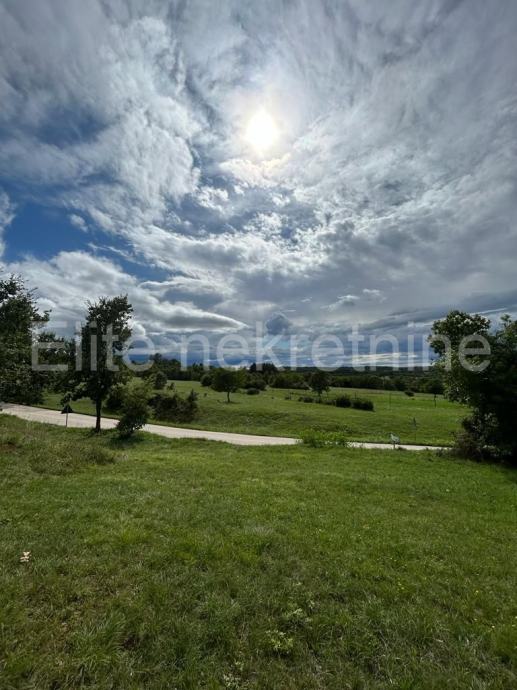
(84, 421)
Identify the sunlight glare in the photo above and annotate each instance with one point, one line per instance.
(261, 131)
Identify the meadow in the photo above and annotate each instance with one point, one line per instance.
(277, 412)
(193, 564)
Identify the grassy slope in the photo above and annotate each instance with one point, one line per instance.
(202, 565)
(271, 414)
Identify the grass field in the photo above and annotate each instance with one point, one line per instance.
(192, 564)
(271, 414)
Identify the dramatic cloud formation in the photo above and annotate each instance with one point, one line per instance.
(388, 188)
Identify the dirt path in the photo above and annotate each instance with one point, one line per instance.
(84, 421)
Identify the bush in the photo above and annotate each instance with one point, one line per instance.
(320, 439)
(135, 410)
(206, 380)
(255, 381)
(343, 401)
(362, 404)
(410, 394)
(173, 408)
(252, 391)
(160, 380)
(306, 398)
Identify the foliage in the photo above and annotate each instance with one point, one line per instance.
(487, 383)
(19, 321)
(287, 379)
(172, 407)
(227, 380)
(160, 380)
(115, 398)
(96, 381)
(206, 380)
(306, 399)
(319, 382)
(135, 408)
(255, 381)
(343, 401)
(319, 439)
(252, 391)
(363, 404)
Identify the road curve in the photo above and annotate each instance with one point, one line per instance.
(84, 421)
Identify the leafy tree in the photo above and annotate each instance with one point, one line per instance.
(103, 337)
(319, 382)
(227, 380)
(135, 408)
(485, 382)
(19, 321)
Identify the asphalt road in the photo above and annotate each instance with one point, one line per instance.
(84, 421)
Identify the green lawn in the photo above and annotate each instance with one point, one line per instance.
(192, 564)
(271, 414)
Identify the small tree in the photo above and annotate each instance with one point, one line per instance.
(103, 337)
(434, 387)
(135, 410)
(160, 380)
(227, 380)
(319, 382)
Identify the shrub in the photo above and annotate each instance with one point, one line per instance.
(320, 439)
(255, 381)
(206, 380)
(410, 394)
(362, 404)
(306, 398)
(173, 408)
(343, 401)
(135, 409)
(160, 380)
(252, 391)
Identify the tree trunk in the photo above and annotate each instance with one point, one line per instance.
(228, 396)
(98, 410)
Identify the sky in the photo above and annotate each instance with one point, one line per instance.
(310, 165)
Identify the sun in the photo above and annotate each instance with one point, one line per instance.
(261, 131)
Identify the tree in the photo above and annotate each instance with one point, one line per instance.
(485, 382)
(227, 380)
(319, 382)
(19, 321)
(103, 337)
(435, 387)
(135, 408)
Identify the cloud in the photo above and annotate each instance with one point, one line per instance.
(6, 217)
(278, 324)
(69, 279)
(373, 295)
(392, 184)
